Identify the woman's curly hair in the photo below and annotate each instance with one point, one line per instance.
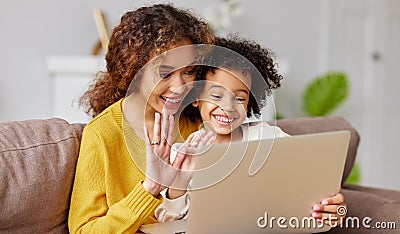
(262, 68)
(141, 35)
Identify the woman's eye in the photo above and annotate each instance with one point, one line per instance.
(165, 75)
(189, 72)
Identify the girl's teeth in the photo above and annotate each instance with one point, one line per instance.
(223, 119)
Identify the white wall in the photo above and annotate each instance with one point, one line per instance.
(31, 31)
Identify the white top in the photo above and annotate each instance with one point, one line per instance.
(261, 130)
(170, 210)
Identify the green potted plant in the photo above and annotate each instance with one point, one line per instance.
(325, 93)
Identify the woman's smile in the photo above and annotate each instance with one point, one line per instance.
(171, 102)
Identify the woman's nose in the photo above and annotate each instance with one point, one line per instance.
(177, 84)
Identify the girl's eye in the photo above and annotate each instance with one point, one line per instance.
(240, 99)
(215, 96)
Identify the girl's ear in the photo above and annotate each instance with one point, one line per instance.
(195, 103)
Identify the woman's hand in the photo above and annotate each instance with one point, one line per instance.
(331, 211)
(159, 172)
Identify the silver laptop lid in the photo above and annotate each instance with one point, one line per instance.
(299, 171)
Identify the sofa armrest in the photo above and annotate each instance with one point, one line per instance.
(371, 205)
(37, 167)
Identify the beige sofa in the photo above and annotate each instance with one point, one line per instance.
(37, 165)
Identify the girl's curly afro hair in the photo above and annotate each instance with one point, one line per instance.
(254, 59)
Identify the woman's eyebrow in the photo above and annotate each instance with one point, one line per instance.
(168, 67)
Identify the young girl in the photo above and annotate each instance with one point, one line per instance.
(238, 81)
(111, 194)
(235, 89)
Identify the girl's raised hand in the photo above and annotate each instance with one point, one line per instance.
(185, 162)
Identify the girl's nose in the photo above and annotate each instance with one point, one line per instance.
(227, 104)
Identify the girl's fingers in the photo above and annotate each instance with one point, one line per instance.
(195, 140)
(327, 218)
(200, 138)
(192, 142)
(191, 150)
(325, 209)
(206, 138)
(185, 160)
(330, 211)
(334, 200)
(200, 134)
(180, 156)
(189, 139)
(210, 138)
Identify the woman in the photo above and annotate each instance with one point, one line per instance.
(111, 193)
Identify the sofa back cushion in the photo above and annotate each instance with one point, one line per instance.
(307, 125)
(37, 166)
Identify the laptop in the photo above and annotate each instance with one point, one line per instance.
(265, 186)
